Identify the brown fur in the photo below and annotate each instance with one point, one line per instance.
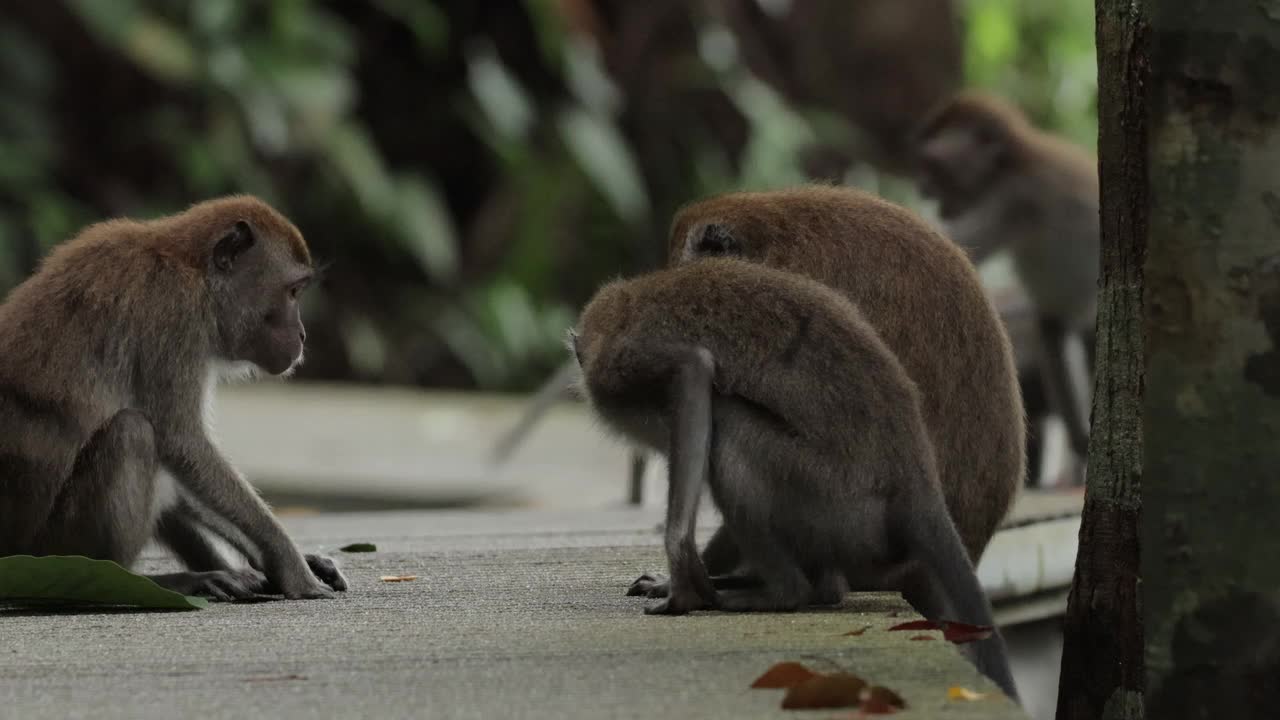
(104, 377)
(924, 299)
(815, 449)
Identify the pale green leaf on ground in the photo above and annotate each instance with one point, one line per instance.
(76, 580)
(359, 548)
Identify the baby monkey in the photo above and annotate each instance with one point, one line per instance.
(773, 391)
(111, 351)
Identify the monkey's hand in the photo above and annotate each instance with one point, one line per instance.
(680, 601)
(222, 585)
(327, 571)
(654, 586)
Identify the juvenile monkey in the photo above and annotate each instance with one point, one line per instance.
(773, 391)
(924, 300)
(1002, 183)
(111, 353)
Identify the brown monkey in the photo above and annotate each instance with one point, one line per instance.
(111, 352)
(924, 299)
(1002, 183)
(772, 390)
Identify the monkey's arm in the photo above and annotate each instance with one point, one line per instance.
(1067, 391)
(688, 464)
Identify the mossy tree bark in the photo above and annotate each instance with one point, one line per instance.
(1187, 407)
(1102, 663)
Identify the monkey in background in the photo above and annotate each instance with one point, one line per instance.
(1002, 183)
(112, 350)
(772, 390)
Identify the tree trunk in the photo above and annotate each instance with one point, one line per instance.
(1188, 392)
(1102, 662)
(1212, 407)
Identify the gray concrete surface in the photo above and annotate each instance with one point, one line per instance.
(513, 615)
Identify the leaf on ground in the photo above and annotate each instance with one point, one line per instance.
(837, 690)
(398, 578)
(879, 700)
(359, 548)
(921, 637)
(784, 675)
(955, 692)
(855, 633)
(958, 632)
(77, 580)
(917, 625)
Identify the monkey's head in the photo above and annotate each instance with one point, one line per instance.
(964, 145)
(257, 266)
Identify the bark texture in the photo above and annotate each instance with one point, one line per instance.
(1212, 407)
(1102, 663)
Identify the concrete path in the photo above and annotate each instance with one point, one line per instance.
(513, 615)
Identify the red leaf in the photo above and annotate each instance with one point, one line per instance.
(917, 625)
(838, 690)
(859, 631)
(784, 675)
(958, 632)
(921, 637)
(878, 700)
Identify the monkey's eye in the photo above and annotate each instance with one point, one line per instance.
(296, 289)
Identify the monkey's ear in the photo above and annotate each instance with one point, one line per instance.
(715, 239)
(231, 245)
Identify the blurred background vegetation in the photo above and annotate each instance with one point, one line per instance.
(470, 170)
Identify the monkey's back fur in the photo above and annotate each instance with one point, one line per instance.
(924, 299)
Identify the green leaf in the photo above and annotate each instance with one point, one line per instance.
(359, 548)
(76, 580)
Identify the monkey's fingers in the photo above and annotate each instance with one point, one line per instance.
(326, 570)
(680, 601)
(654, 586)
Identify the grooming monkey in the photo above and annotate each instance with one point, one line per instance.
(111, 352)
(772, 390)
(1002, 183)
(923, 298)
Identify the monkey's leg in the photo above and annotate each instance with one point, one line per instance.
(688, 464)
(720, 557)
(785, 586)
(1062, 393)
(107, 510)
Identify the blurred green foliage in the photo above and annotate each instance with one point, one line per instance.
(468, 176)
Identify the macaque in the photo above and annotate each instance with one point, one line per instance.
(1003, 184)
(774, 392)
(112, 350)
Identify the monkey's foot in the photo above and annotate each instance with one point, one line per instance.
(679, 603)
(327, 572)
(761, 600)
(654, 586)
(222, 585)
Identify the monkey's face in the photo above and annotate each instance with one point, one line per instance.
(256, 288)
(958, 161)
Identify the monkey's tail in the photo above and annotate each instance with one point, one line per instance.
(952, 590)
(552, 390)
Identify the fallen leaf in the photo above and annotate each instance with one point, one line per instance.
(917, 625)
(359, 548)
(838, 690)
(398, 578)
(921, 637)
(958, 632)
(71, 581)
(955, 692)
(859, 631)
(275, 678)
(879, 700)
(784, 675)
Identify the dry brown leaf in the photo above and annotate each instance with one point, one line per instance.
(921, 637)
(398, 578)
(784, 675)
(955, 692)
(958, 632)
(859, 631)
(837, 690)
(879, 700)
(917, 625)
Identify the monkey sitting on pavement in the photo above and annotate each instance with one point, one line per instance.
(776, 393)
(111, 353)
